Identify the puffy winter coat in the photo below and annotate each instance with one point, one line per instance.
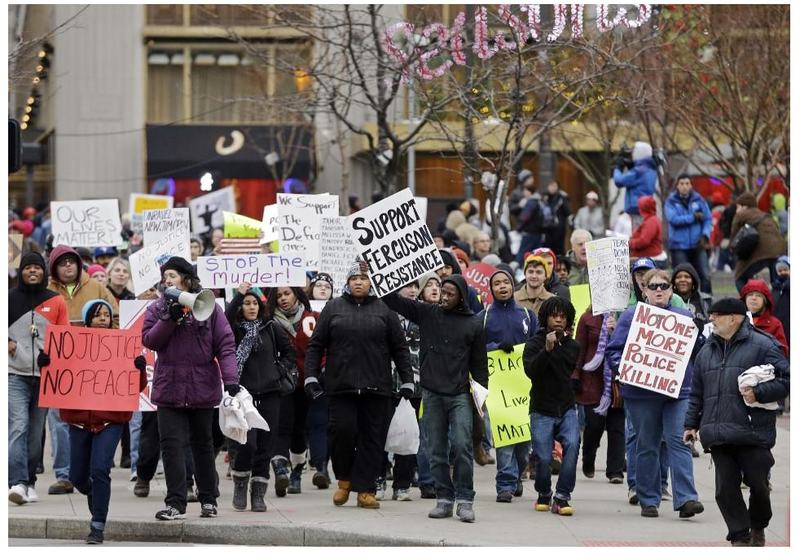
(770, 243)
(684, 230)
(505, 322)
(186, 373)
(717, 408)
(646, 239)
(360, 340)
(765, 320)
(639, 181)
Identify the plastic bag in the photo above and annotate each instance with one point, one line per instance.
(232, 421)
(251, 415)
(403, 436)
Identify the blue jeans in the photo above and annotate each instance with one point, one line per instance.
(698, 258)
(91, 455)
(654, 420)
(59, 444)
(448, 419)
(25, 427)
(135, 426)
(511, 462)
(630, 455)
(425, 477)
(565, 430)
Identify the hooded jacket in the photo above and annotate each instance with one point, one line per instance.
(771, 244)
(695, 303)
(637, 182)
(684, 230)
(32, 304)
(550, 372)
(717, 408)
(646, 239)
(765, 321)
(472, 299)
(452, 343)
(505, 322)
(85, 290)
(359, 340)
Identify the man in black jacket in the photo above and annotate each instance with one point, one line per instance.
(452, 344)
(733, 425)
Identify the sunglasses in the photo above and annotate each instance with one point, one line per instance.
(658, 286)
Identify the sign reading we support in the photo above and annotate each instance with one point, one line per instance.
(477, 277)
(338, 252)
(299, 223)
(157, 224)
(146, 262)
(393, 239)
(207, 210)
(90, 369)
(657, 350)
(509, 397)
(86, 223)
(260, 270)
(608, 263)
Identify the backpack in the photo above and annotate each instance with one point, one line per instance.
(746, 240)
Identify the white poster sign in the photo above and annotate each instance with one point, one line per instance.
(657, 350)
(338, 252)
(422, 207)
(269, 224)
(395, 242)
(260, 270)
(146, 262)
(207, 210)
(157, 224)
(86, 223)
(139, 203)
(608, 263)
(299, 224)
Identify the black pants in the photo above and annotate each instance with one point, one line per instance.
(356, 437)
(614, 424)
(291, 436)
(150, 450)
(254, 455)
(177, 428)
(733, 463)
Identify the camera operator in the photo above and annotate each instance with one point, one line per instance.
(636, 171)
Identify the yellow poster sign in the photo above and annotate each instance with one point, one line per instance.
(581, 299)
(241, 227)
(141, 202)
(509, 397)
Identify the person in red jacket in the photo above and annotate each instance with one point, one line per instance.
(646, 239)
(758, 298)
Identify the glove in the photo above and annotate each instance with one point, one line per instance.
(175, 311)
(313, 390)
(43, 360)
(699, 217)
(508, 348)
(140, 363)
(577, 386)
(407, 391)
(232, 389)
(602, 407)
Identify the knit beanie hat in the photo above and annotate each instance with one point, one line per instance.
(461, 256)
(94, 268)
(90, 310)
(548, 269)
(178, 264)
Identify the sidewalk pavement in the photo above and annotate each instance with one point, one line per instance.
(602, 516)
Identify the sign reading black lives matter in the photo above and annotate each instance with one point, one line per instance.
(86, 223)
(393, 239)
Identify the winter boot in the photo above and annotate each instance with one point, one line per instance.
(240, 482)
(368, 501)
(321, 479)
(258, 488)
(280, 466)
(342, 494)
(295, 478)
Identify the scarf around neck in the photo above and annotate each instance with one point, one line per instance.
(290, 319)
(251, 328)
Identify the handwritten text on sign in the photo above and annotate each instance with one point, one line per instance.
(657, 350)
(609, 274)
(509, 397)
(337, 251)
(91, 369)
(394, 241)
(158, 224)
(86, 223)
(146, 263)
(299, 223)
(131, 318)
(260, 270)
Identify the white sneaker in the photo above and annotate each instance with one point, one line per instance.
(18, 494)
(31, 493)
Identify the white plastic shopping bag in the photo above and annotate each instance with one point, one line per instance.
(403, 436)
(232, 422)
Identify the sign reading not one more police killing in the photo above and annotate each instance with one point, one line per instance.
(393, 239)
(86, 223)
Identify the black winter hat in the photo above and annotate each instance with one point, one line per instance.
(728, 305)
(180, 265)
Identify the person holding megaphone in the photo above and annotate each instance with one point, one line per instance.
(189, 332)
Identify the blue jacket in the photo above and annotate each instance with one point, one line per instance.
(684, 230)
(639, 181)
(617, 344)
(506, 323)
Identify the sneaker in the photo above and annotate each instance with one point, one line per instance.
(690, 508)
(31, 494)
(18, 494)
(665, 494)
(61, 487)
(380, 489)
(504, 497)
(543, 503)
(519, 490)
(650, 511)
(561, 507)
(401, 495)
(443, 509)
(170, 513)
(633, 498)
(95, 536)
(465, 513)
(133, 477)
(427, 492)
(616, 480)
(208, 511)
(142, 488)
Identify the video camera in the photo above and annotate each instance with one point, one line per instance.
(624, 159)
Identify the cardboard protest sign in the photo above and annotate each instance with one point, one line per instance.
(394, 241)
(269, 224)
(131, 319)
(299, 223)
(338, 252)
(478, 276)
(657, 350)
(157, 224)
(140, 203)
(207, 210)
(580, 299)
(509, 397)
(90, 369)
(14, 249)
(261, 270)
(146, 262)
(86, 223)
(608, 264)
(237, 226)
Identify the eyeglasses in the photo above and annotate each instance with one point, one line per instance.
(658, 286)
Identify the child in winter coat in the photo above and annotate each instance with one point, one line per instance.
(756, 295)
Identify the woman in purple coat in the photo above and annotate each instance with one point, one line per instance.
(187, 384)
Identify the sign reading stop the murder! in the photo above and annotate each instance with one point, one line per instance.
(657, 350)
(90, 369)
(394, 241)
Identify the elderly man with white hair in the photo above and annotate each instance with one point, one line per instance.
(590, 216)
(579, 273)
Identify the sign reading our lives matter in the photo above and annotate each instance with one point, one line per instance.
(608, 263)
(657, 350)
(509, 397)
(395, 242)
(299, 223)
(260, 270)
(338, 252)
(86, 223)
(91, 369)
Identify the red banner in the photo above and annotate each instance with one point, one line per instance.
(90, 369)
(477, 276)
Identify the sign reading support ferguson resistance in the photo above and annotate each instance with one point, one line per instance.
(260, 270)
(609, 274)
(509, 397)
(657, 350)
(86, 223)
(395, 242)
